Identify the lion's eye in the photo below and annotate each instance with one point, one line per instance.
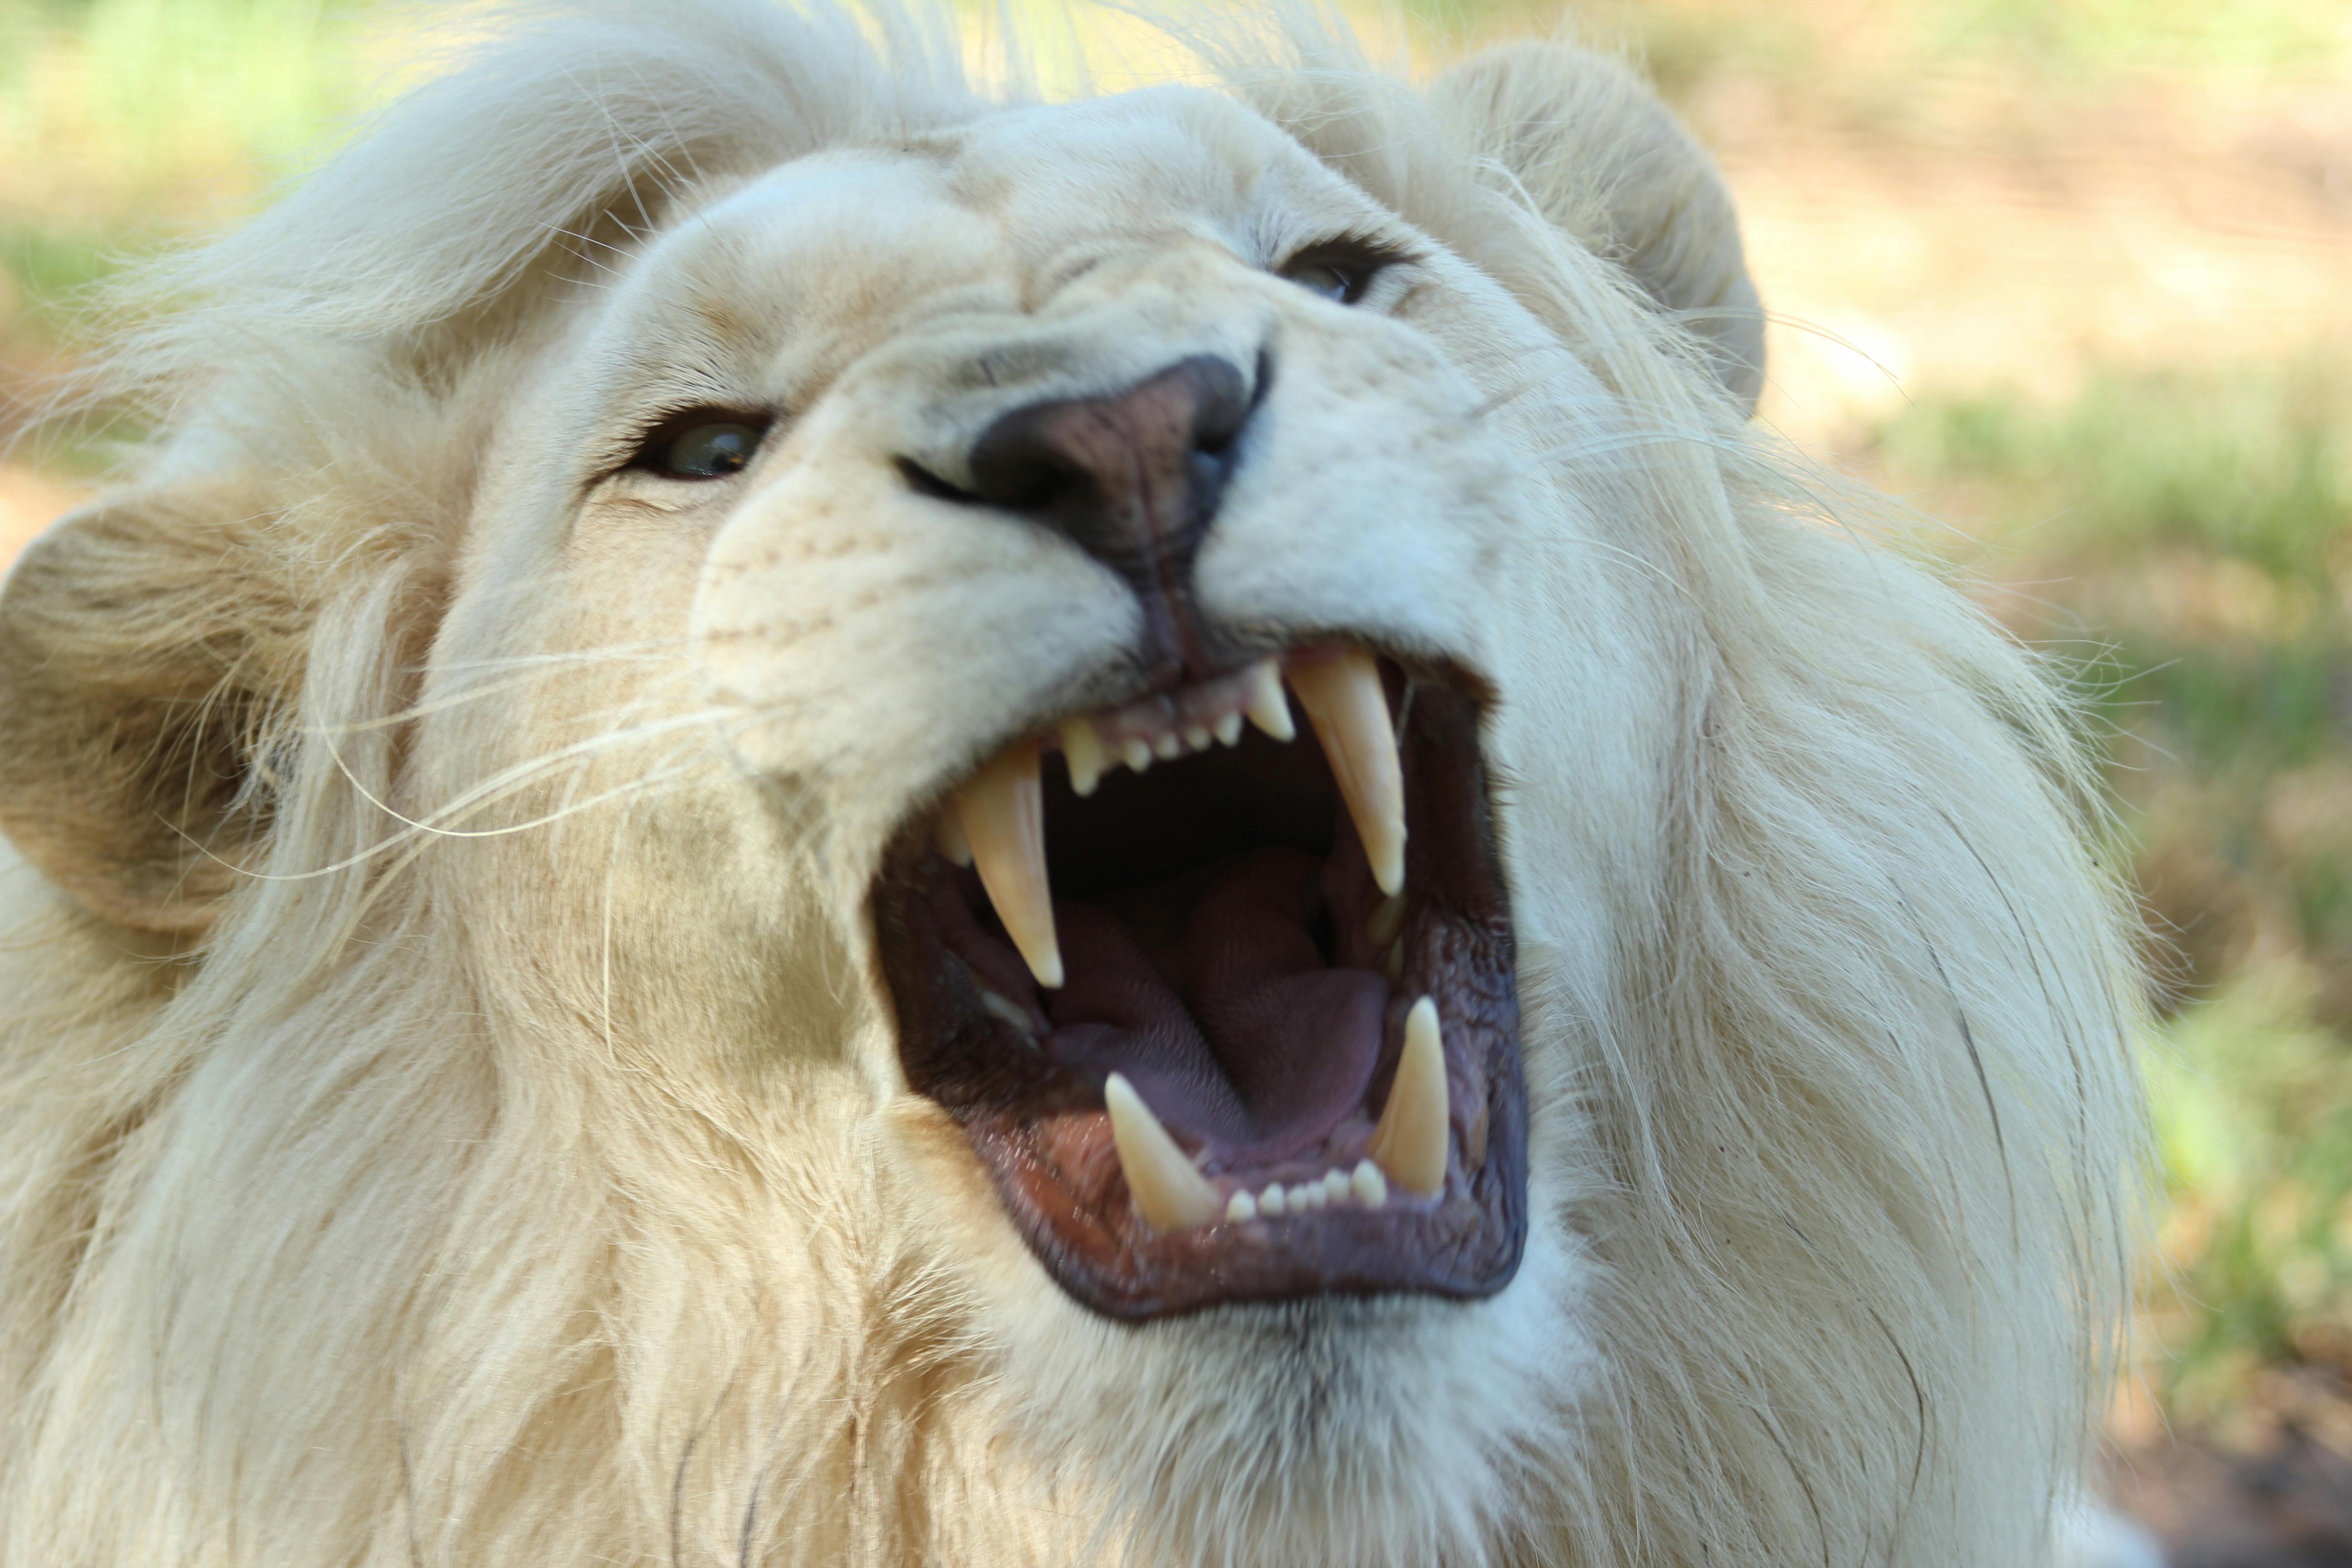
(1328, 279)
(706, 444)
(1340, 271)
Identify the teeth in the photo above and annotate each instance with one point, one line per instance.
(1168, 746)
(1083, 749)
(1002, 812)
(947, 837)
(1271, 1201)
(1309, 1195)
(1136, 754)
(1243, 1207)
(1412, 1139)
(1168, 1192)
(1386, 920)
(1229, 729)
(1335, 1186)
(1197, 737)
(1004, 1007)
(1268, 709)
(1350, 711)
(1371, 1188)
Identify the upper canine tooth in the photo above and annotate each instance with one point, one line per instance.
(1268, 709)
(947, 838)
(1002, 811)
(1084, 750)
(1168, 1192)
(1412, 1139)
(1345, 703)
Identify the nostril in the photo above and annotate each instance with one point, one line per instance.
(924, 483)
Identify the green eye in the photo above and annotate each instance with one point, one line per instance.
(711, 450)
(707, 443)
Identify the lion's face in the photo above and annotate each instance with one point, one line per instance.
(1104, 815)
(942, 480)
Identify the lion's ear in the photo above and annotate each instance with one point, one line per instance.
(133, 689)
(1602, 158)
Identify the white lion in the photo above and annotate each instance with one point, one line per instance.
(798, 817)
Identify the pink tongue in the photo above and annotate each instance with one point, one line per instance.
(1224, 1014)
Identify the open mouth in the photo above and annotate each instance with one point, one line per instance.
(1226, 1003)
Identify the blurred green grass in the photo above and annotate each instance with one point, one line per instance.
(2184, 529)
(2189, 531)
(127, 123)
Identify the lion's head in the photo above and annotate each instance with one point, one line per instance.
(802, 817)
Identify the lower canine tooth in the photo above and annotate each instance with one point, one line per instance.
(1002, 812)
(1412, 1139)
(1269, 710)
(1167, 1191)
(1349, 710)
(1083, 749)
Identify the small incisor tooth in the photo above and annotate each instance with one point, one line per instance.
(1167, 1191)
(1412, 1139)
(1345, 703)
(1085, 753)
(1269, 710)
(1002, 812)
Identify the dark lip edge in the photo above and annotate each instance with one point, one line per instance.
(1004, 1141)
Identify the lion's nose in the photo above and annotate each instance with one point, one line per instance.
(1133, 478)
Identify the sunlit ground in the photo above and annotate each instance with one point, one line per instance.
(2075, 277)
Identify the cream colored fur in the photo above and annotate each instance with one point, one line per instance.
(449, 1108)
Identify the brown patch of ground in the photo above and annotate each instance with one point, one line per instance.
(1988, 235)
